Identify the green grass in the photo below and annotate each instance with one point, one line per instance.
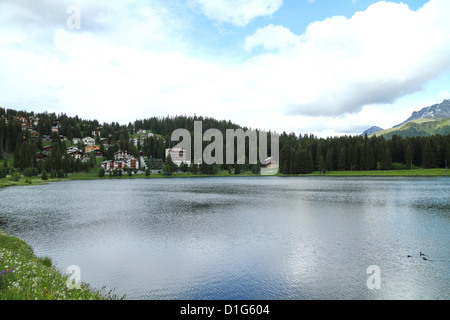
(385, 173)
(9, 182)
(24, 276)
(93, 175)
(419, 127)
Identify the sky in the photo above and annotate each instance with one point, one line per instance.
(326, 67)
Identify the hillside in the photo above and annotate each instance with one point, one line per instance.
(371, 130)
(434, 112)
(426, 122)
(417, 128)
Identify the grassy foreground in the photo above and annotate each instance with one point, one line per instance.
(23, 276)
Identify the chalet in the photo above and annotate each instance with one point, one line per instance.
(34, 134)
(88, 141)
(111, 165)
(119, 164)
(34, 121)
(91, 148)
(178, 156)
(108, 165)
(47, 148)
(104, 142)
(46, 138)
(122, 155)
(40, 156)
(131, 163)
(24, 123)
(78, 154)
(98, 153)
(55, 127)
(76, 140)
(71, 150)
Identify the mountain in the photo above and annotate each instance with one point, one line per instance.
(428, 121)
(371, 130)
(434, 112)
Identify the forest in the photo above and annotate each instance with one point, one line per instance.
(299, 154)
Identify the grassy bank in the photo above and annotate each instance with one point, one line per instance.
(23, 276)
(6, 182)
(389, 173)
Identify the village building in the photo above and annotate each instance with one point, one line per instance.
(77, 154)
(110, 165)
(72, 149)
(88, 141)
(46, 138)
(98, 153)
(122, 160)
(88, 149)
(55, 127)
(178, 156)
(122, 155)
(40, 156)
(104, 142)
(24, 123)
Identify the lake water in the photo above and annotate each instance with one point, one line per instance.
(242, 237)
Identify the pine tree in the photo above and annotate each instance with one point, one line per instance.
(429, 155)
(386, 160)
(306, 162)
(322, 165)
(194, 168)
(329, 159)
(409, 156)
(342, 161)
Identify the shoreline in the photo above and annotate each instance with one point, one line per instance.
(37, 180)
(25, 276)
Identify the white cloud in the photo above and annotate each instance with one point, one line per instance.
(130, 61)
(377, 56)
(272, 38)
(236, 12)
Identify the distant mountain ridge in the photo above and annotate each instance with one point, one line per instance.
(435, 112)
(372, 130)
(428, 121)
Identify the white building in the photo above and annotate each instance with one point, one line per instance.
(88, 141)
(122, 155)
(178, 156)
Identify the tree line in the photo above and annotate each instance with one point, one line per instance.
(307, 153)
(299, 154)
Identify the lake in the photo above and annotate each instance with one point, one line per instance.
(274, 238)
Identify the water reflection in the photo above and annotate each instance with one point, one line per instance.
(242, 238)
